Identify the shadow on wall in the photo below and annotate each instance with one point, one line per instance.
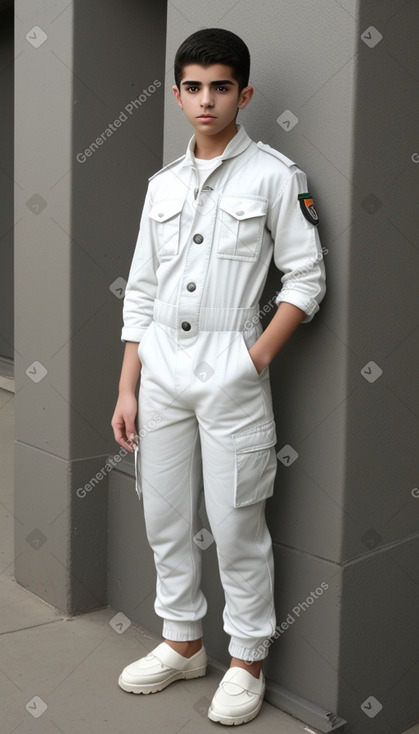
(379, 637)
(6, 182)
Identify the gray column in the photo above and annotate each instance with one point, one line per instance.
(89, 80)
(6, 188)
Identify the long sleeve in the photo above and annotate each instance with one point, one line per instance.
(142, 282)
(297, 250)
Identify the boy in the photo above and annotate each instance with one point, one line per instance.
(210, 224)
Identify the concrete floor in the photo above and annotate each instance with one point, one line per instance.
(59, 674)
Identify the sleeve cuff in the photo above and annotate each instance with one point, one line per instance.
(309, 306)
(129, 334)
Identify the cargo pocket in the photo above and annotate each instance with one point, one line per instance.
(241, 222)
(137, 468)
(165, 216)
(255, 463)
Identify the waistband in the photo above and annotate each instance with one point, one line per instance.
(206, 319)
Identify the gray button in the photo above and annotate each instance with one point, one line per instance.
(191, 287)
(198, 238)
(240, 213)
(160, 214)
(186, 326)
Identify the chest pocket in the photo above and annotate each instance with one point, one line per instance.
(165, 216)
(241, 221)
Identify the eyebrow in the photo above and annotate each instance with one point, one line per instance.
(215, 84)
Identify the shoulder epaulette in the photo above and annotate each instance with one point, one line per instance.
(165, 168)
(276, 154)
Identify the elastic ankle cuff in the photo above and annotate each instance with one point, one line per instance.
(182, 631)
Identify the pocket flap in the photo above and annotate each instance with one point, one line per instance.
(262, 436)
(164, 210)
(240, 207)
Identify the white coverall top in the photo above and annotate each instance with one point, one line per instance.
(211, 248)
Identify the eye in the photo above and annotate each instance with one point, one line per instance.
(221, 88)
(192, 89)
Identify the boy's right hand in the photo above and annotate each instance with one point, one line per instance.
(123, 421)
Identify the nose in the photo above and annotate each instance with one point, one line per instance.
(206, 97)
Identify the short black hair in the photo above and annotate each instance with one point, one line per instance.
(214, 46)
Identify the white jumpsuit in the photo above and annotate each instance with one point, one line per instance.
(192, 303)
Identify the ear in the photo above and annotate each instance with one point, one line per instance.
(176, 93)
(245, 96)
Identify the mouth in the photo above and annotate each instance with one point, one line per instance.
(206, 117)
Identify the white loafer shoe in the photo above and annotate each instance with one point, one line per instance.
(159, 668)
(238, 698)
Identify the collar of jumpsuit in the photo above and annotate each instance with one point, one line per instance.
(237, 145)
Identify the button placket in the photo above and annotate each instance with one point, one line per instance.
(194, 273)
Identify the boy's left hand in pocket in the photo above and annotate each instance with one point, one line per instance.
(257, 358)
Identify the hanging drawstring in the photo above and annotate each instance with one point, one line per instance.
(136, 459)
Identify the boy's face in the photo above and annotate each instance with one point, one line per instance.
(210, 97)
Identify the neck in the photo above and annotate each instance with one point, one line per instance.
(209, 146)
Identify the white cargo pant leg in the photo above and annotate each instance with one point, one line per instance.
(171, 484)
(238, 436)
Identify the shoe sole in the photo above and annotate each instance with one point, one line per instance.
(234, 720)
(160, 686)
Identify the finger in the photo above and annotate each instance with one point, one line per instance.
(121, 438)
(132, 437)
(120, 435)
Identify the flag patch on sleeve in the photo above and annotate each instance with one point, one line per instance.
(308, 208)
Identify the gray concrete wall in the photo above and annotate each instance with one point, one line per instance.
(6, 180)
(380, 590)
(345, 512)
(79, 67)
